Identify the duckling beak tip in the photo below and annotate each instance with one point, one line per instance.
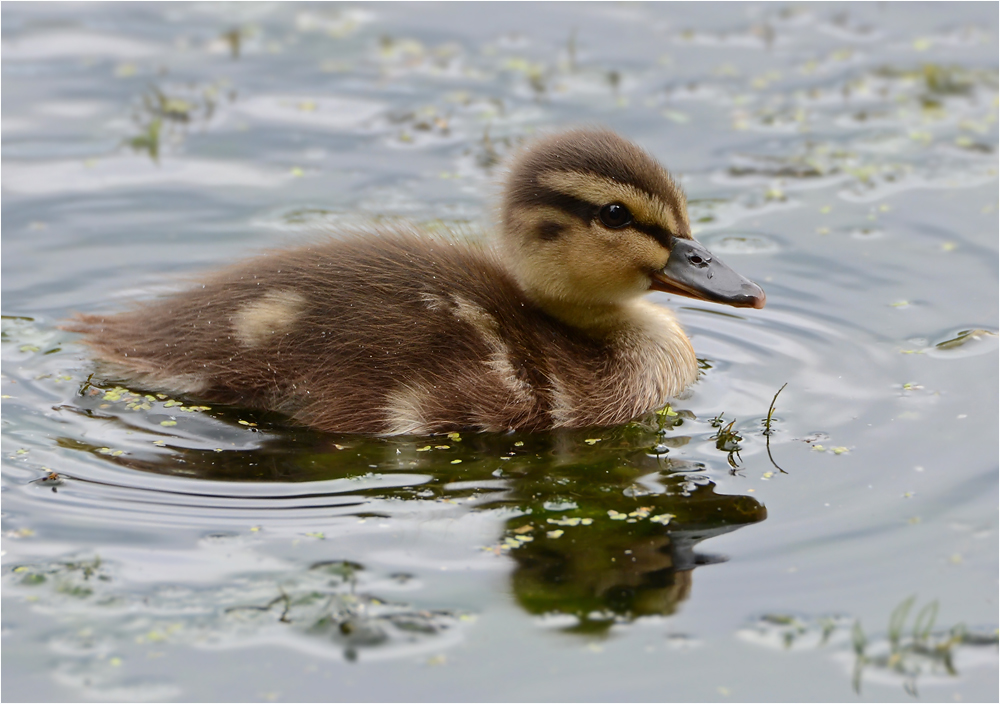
(694, 272)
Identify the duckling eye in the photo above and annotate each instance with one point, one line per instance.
(615, 215)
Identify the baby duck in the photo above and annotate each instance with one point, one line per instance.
(390, 331)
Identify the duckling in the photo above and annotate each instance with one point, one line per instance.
(391, 331)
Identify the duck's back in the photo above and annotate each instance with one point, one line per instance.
(386, 333)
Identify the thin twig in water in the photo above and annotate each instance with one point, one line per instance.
(87, 384)
(768, 431)
(770, 411)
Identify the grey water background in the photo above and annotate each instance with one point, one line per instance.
(844, 156)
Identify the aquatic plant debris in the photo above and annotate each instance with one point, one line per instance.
(904, 654)
(767, 427)
(327, 605)
(728, 440)
(964, 337)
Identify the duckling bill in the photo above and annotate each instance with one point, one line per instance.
(394, 331)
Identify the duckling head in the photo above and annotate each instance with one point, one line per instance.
(591, 221)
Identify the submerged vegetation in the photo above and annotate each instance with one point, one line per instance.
(910, 652)
(906, 652)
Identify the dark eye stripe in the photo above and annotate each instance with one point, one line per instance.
(660, 234)
(579, 208)
(576, 207)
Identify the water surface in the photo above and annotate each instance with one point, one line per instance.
(843, 156)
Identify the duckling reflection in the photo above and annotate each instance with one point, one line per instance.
(606, 525)
(634, 560)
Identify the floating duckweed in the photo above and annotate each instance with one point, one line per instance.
(455, 436)
(168, 423)
(442, 447)
(316, 534)
(616, 516)
(151, 637)
(571, 521)
(125, 70)
(557, 533)
(839, 450)
(519, 443)
(425, 448)
(663, 518)
(159, 443)
(456, 461)
(593, 441)
(819, 448)
(148, 141)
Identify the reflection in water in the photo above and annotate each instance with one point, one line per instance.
(621, 547)
(602, 524)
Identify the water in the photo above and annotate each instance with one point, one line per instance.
(843, 156)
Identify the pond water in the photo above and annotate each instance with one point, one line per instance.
(843, 156)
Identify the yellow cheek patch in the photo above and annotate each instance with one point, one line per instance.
(646, 208)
